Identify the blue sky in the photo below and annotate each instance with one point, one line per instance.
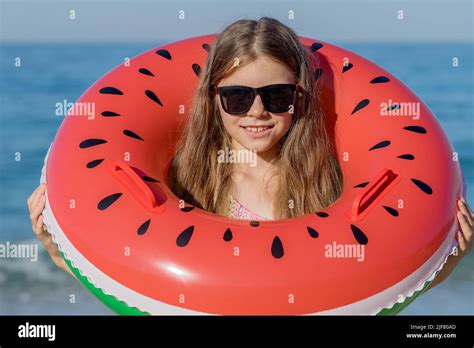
(336, 20)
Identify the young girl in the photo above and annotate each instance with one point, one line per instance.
(281, 122)
(257, 94)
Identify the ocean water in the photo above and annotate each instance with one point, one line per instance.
(50, 73)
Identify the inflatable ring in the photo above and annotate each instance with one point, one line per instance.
(132, 243)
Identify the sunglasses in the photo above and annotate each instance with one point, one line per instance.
(237, 100)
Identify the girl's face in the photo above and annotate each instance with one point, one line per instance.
(257, 129)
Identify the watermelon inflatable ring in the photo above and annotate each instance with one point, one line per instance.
(134, 245)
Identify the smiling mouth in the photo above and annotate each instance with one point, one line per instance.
(254, 129)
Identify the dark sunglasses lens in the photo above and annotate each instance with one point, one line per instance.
(278, 98)
(236, 100)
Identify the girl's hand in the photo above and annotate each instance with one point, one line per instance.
(36, 204)
(466, 218)
(464, 237)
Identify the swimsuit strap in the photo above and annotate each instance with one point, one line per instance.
(239, 211)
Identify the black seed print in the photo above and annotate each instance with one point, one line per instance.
(94, 163)
(153, 97)
(380, 145)
(110, 90)
(185, 236)
(143, 228)
(391, 211)
(254, 223)
(131, 134)
(416, 129)
(317, 73)
(312, 232)
(363, 184)
(206, 47)
(164, 54)
(322, 214)
(147, 178)
(393, 107)
(108, 201)
(423, 186)
(347, 67)
(407, 156)
(380, 79)
(186, 209)
(277, 248)
(360, 237)
(145, 72)
(109, 114)
(228, 235)
(197, 69)
(362, 104)
(91, 142)
(316, 46)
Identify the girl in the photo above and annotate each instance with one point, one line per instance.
(257, 94)
(281, 122)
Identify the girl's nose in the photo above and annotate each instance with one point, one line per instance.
(257, 109)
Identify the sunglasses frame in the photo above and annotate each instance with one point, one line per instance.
(255, 91)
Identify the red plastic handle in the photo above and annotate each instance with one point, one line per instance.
(134, 183)
(376, 189)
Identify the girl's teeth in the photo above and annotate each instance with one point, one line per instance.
(256, 129)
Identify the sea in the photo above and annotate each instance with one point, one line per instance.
(442, 74)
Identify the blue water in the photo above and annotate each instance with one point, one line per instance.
(51, 73)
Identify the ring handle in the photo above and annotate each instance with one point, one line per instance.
(376, 189)
(126, 176)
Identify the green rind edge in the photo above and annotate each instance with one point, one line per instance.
(122, 308)
(110, 301)
(399, 306)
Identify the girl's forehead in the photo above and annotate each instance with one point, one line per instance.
(258, 72)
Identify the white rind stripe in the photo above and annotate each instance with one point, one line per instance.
(406, 287)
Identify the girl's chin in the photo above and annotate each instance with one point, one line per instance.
(258, 145)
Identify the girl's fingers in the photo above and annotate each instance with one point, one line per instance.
(38, 227)
(30, 199)
(465, 210)
(41, 232)
(36, 211)
(38, 195)
(47, 241)
(33, 208)
(52, 249)
(469, 209)
(44, 236)
(461, 241)
(468, 236)
(463, 222)
(466, 232)
(36, 190)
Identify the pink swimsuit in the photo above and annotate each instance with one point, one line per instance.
(238, 211)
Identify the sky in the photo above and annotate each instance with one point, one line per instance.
(143, 21)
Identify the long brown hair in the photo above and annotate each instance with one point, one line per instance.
(309, 176)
